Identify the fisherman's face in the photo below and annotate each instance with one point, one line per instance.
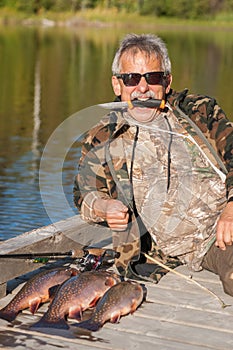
(141, 63)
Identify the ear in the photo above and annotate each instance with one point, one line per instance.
(116, 86)
(168, 83)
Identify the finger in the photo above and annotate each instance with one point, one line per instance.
(116, 206)
(118, 219)
(220, 241)
(118, 228)
(220, 244)
(219, 237)
(124, 209)
(120, 224)
(117, 216)
(227, 238)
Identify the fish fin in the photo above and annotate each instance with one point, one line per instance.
(109, 281)
(74, 271)
(8, 315)
(76, 313)
(94, 301)
(134, 306)
(90, 325)
(52, 291)
(115, 317)
(34, 305)
(45, 323)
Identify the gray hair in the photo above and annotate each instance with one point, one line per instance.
(148, 43)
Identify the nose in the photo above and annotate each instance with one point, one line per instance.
(143, 86)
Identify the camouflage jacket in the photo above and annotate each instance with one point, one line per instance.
(103, 170)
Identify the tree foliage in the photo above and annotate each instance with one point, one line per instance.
(166, 8)
(185, 8)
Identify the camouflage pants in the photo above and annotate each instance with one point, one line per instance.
(146, 270)
(221, 263)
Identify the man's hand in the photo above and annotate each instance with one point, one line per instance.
(114, 212)
(224, 232)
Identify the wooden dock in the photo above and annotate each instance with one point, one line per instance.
(177, 315)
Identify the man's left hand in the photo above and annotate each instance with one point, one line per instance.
(224, 230)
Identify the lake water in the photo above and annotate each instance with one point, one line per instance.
(47, 75)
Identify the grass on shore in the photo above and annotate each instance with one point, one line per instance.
(9, 16)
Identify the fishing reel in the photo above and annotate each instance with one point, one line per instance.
(95, 262)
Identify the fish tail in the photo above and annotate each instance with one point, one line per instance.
(46, 323)
(8, 315)
(90, 325)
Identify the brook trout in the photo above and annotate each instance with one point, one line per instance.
(74, 296)
(36, 291)
(120, 300)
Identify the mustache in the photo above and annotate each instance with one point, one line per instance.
(137, 95)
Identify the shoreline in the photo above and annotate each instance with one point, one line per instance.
(106, 19)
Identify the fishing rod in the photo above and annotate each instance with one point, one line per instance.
(91, 258)
(150, 103)
(59, 255)
(38, 255)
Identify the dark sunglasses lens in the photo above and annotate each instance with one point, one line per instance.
(154, 78)
(131, 79)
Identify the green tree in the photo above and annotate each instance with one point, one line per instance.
(166, 8)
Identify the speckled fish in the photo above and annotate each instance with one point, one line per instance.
(122, 299)
(36, 291)
(76, 295)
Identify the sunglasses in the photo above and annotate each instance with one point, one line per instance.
(133, 79)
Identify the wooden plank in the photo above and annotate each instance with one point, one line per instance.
(3, 289)
(109, 339)
(85, 233)
(132, 332)
(176, 288)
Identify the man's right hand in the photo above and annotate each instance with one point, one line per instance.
(113, 211)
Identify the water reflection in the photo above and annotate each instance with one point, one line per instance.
(49, 74)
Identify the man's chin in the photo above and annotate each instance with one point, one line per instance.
(143, 115)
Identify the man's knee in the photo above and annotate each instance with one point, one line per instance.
(227, 281)
(221, 262)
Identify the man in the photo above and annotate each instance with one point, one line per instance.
(161, 178)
